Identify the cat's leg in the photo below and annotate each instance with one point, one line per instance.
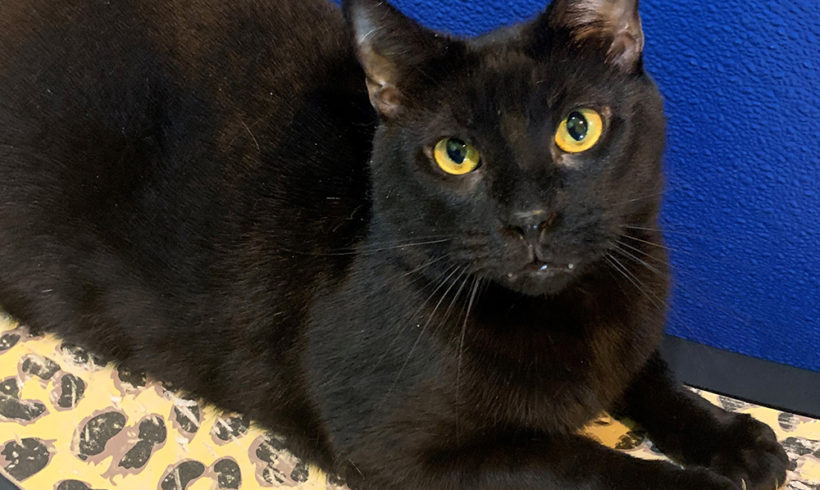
(695, 432)
(522, 461)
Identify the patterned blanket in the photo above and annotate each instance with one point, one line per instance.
(68, 421)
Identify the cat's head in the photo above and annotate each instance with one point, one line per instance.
(521, 153)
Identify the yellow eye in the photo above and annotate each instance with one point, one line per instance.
(579, 131)
(456, 157)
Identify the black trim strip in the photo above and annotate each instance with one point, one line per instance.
(763, 382)
(6, 484)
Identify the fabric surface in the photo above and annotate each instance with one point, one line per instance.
(70, 422)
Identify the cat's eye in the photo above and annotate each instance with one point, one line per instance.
(579, 131)
(456, 157)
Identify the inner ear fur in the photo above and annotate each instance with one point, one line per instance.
(615, 25)
(389, 46)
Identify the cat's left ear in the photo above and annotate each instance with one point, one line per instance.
(390, 47)
(612, 25)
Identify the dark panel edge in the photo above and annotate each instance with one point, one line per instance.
(747, 378)
(6, 484)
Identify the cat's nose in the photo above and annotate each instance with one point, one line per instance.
(531, 224)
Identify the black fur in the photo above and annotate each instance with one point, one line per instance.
(203, 190)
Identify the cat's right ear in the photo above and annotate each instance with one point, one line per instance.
(611, 26)
(389, 47)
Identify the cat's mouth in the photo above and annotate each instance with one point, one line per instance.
(539, 277)
(540, 269)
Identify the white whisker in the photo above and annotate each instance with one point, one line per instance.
(475, 286)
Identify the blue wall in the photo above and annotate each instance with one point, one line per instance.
(742, 214)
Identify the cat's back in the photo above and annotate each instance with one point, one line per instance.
(113, 111)
(102, 58)
(194, 29)
(176, 152)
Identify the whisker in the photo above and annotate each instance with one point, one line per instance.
(638, 260)
(380, 243)
(475, 286)
(642, 252)
(377, 247)
(637, 285)
(461, 271)
(364, 250)
(673, 250)
(640, 198)
(662, 305)
(677, 250)
(667, 230)
(449, 272)
(456, 296)
(659, 245)
(424, 266)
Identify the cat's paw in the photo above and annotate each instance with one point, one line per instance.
(751, 455)
(697, 478)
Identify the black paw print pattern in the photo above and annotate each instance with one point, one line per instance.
(80, 356)
(732, 405)
(797, 448)
(178, 477)
(25, 458)
(73, 485)
(631, 440)
(68, 391)
(229, 428)
(187, 416)
(110, 441)
(14, 409)
(137, 379)
(279, 466)
(229, 476)
(151, 433)
(8, 340)
(41, 367)
(94, 435)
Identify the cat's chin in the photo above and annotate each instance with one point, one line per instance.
(540, 279)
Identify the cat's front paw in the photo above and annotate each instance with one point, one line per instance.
(751, 456)
(696, 478)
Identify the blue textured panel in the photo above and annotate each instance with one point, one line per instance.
(742, 214)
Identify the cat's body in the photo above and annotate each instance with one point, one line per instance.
(196, 191)
(145, 186)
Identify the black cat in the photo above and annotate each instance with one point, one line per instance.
(435, 294)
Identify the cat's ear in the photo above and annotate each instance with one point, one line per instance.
(613, 25)
(389, 46)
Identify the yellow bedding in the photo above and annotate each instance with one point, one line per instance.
(68, 422)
